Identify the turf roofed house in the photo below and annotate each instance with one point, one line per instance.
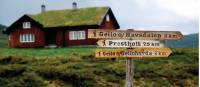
(59, 28)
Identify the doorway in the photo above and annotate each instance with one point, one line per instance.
(50, 37)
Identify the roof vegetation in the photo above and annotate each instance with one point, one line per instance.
(71, 17)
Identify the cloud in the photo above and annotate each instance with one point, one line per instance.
(140, 14)
(186, 8)
(157, 14)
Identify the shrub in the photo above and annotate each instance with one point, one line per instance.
(12, 60)
(11, 70)
(31, 79)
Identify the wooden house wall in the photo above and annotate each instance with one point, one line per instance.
(60, 38)
(14, 41)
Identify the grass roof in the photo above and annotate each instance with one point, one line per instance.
(71, 17)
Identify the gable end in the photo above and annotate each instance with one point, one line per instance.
(112, 18)
(18, 24)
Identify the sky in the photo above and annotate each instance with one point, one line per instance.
(162, 15)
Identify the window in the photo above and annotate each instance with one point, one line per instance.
(9, 38)
(26, 25)
(77, 35)
(26, 38)
(107, 18)
(81, 34)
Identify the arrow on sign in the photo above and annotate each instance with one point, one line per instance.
(132, 53)
(130, 43)
(127, 34)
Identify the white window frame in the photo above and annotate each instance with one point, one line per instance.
(76, 35)
(107, 17)
(81, 35)
(9, 37)
(27, 38)
(26, 25)
(72, 35)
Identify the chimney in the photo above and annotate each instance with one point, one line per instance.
(43, 8)
(74, 5)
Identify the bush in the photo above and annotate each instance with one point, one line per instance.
(32, 80)
(27, 79)
(11, 70)
(12, 60)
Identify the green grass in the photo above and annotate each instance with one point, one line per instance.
(3, 41)
(46, 53)
(77, 67)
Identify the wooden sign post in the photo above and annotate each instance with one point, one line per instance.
(140, 44)
(129, 72)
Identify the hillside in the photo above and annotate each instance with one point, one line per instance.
(77, 67)
(188, 41)
(2, 26)
(3, 37)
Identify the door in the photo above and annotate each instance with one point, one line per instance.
(50, 37)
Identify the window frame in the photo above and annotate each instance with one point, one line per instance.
(27, 38)
(9, 37)
(107, 18)
(81, 35)
(77, 35)
(26, 25)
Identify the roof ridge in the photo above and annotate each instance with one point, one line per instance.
(69, 9)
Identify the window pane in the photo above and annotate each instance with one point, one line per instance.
(23, 37)
(76, 35)
(82, 34)
(33, 37)
(26, 25)
(20, 38)
(107, 18)
(71, 35)
(8, 37)
(26, 38)
(30, 37)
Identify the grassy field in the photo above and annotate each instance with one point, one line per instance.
(77, 67)
(46, 53)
